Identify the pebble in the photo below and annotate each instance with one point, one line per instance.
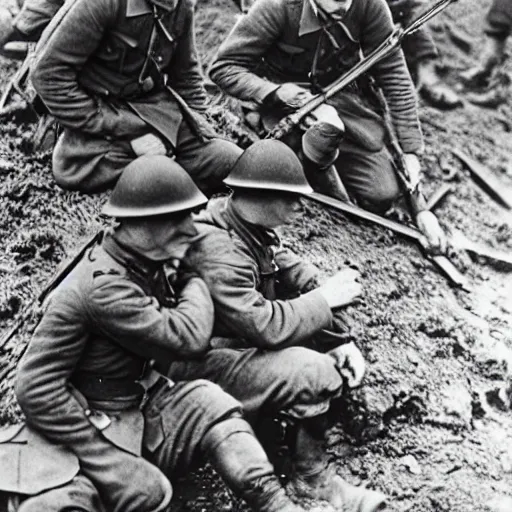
(411, 464)
(457, 401)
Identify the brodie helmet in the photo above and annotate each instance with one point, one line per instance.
(269, 165)
(153, 185)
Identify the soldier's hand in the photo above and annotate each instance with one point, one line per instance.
(350, 363)
(434, 240)
(413, 168)
(148, 144)
(342, 288)
(291, 96)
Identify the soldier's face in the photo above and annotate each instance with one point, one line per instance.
(336, 9)
(282, 209)
(173, 235)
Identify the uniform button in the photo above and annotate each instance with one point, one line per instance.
(109, 138)
(159, 58)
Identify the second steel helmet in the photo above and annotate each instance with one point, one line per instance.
(153, 185)
(269, 165)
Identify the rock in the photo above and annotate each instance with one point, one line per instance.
(457, 401)
(411, 464)
(506, 462)
(501, 504)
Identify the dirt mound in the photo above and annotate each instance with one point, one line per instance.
(429, 428)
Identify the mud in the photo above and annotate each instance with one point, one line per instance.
(430, 427)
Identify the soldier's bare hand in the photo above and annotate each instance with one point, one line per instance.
(350, 363)
(413, 168)
(148, 144)
(292, 96)
(434, 237)
(342, 288)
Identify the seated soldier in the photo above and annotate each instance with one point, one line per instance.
(123, 79)
(87, 384)
(267, 311)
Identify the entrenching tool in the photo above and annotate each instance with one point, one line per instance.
(442, 262)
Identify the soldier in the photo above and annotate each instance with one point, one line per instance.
(283, 50)
(268, 309)
(422, 55)
(497, 29)
(124, 80)
(86, 382)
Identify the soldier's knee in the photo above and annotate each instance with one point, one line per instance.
(381, 196)
(215, 403)
(312, 373)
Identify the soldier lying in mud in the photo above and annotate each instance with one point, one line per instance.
(117, 427)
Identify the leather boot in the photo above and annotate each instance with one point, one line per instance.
(492, 55)
(239, 459)
(316, 479)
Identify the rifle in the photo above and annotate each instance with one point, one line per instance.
(442, 262)
(30, 309)
(286, 124)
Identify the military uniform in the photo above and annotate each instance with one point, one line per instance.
(262, 324)
(420, 44)
(84, 382)
(35, 15)
(282, 41)
(113, 70)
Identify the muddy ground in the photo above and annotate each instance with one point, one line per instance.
(428, 428)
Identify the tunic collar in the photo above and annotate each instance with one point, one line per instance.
(128, 258)
(139, 7)
(309, 21)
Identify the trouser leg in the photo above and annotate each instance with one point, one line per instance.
(198, 419)
(87, 163)
(79, 495)
(208, 162)
(35, 15)
(238, 457)
(368, 176)
(297, 381)
(92, 164)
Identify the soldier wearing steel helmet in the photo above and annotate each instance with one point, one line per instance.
(268, 309)
(283, 51)
(92, 378)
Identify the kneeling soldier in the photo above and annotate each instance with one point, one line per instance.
(86, 383)
(267, 310)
